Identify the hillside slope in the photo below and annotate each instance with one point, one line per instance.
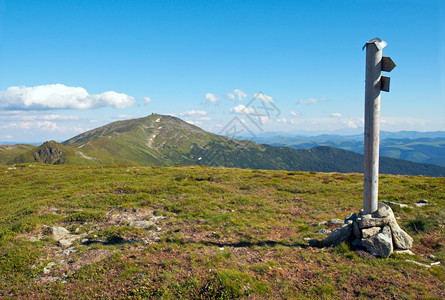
(9, 152)
(159, 140)
(54, 153)
(166, 141)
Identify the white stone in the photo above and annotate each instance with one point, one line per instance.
(370, 232)
(336, 221)
(59, 233)
(144, 224)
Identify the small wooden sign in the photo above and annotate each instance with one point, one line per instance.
(387, 64)
(384, 83)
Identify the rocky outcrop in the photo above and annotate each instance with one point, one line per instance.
(49, 153)
(378, 232)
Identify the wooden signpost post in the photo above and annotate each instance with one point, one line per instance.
(375, 63)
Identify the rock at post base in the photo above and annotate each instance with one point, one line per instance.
(382, 211)
(380, 244)
(377, 232)
(370, 232)
(341, 234)
(368, 221)
(402, 240)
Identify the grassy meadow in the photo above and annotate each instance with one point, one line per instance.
(216, 233)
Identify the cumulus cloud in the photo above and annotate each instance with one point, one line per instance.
(242, 109)
(263, 97)
(42, 125)
(295, 113)
(335, 115)
(209, 97)
(193, 113)
(60, 96)
(18, 116)
(282, 120)
(237, 94)
(312, 100)
(147, 100)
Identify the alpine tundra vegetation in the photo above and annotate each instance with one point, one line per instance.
(132, 232)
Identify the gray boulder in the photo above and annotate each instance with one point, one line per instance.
(380, 244)
(356, 230)
(341, 234)
(382, 211)
(401, 239)
(370, 232)
(368, 221)
(350, 217)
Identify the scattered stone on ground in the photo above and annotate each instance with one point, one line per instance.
(336, 221)
(324, 231)
(65, 258)
(423, 264)
(391, 204)
(378, 232)
(63, 236)
(144, 224)
(407, 251)
(421, 202)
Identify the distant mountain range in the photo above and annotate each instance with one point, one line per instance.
(422, 147)
(159, 140)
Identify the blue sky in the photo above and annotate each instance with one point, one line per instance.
(70, 66)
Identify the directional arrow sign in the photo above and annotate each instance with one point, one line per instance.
(384, 83)
(387, 64)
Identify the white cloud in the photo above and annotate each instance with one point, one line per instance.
(194, 113)
(231, 96)
(19, 116)
(264, 119)
(263, 97)
(335, 115)
(237, 94)
(282, 120)
(242, 109)
(295, 113)
(312, 100)
(60, 96)
(354, 123)
(147, 100)
(196, 123)
(124, 116)
(42, 125)
(210, 98)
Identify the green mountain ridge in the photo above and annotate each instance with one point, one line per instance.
(159, 140)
